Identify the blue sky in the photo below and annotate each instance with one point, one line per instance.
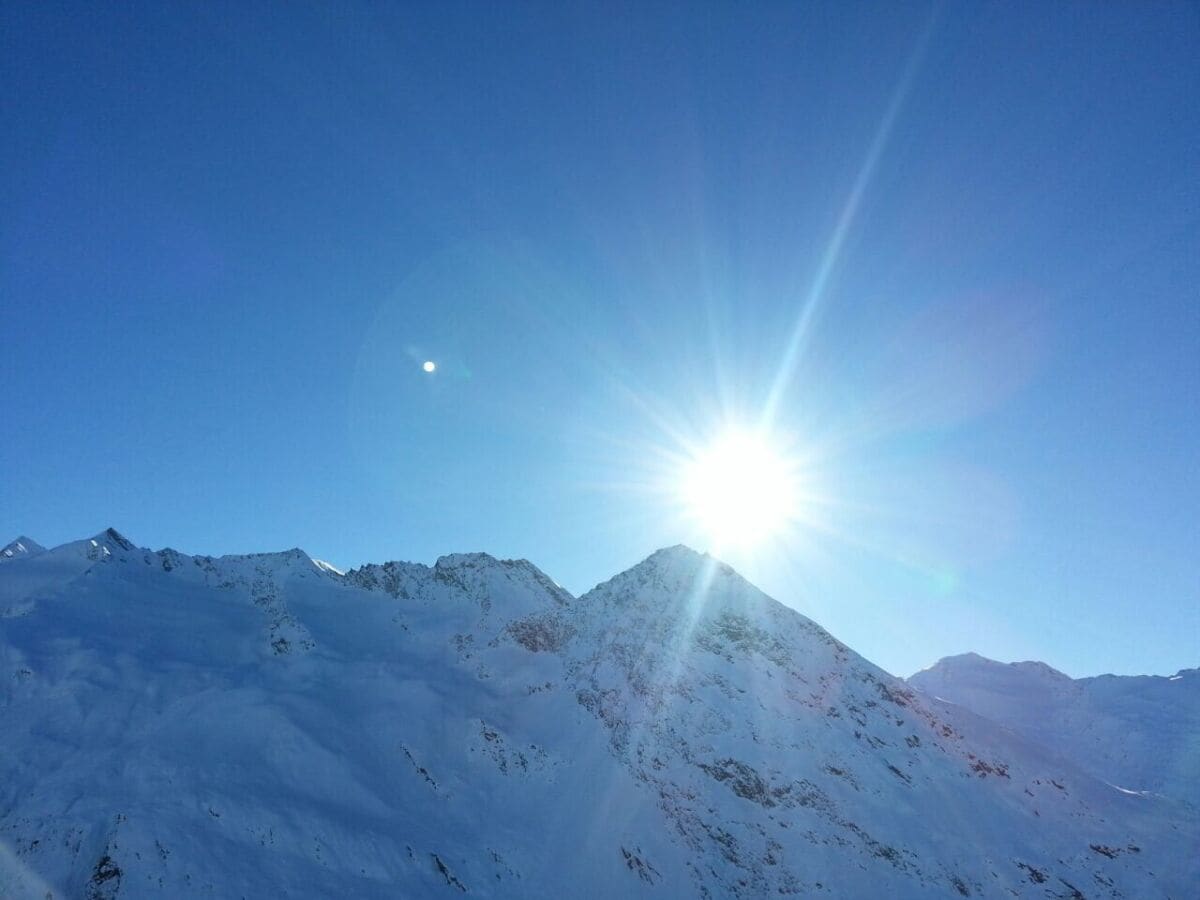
(229, 237)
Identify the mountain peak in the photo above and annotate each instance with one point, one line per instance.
(276, 558)
(475, 565)
(19, 547)
(103, 545)
(1041, 669)
(974, 662)
(465, 560)
(679, 559)
(111, 535)
(678, 567)
(678, 584)
(676, 553)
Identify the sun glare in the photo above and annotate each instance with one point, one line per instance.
(740, 490)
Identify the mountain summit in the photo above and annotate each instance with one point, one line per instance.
(20, 547)
(1139, 732)
(264, 725)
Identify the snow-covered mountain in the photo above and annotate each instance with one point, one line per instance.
(264, 725)
(19, 548)
(1139, 732)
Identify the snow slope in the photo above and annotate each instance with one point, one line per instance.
(264, 726)
(1139, 732)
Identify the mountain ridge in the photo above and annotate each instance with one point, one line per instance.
(258, 724)
(1140, 732)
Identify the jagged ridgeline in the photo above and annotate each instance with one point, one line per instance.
(267, 726)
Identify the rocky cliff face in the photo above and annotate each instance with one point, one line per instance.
(266, 726)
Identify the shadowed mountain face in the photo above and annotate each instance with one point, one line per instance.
(1139, 732)
(266, 726)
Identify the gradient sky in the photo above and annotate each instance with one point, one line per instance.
(954, 250)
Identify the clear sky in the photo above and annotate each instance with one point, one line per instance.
(949, 255)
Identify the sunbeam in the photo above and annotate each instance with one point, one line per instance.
(833, 250)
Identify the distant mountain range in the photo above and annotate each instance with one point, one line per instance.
(267, 726)
(1141, 733)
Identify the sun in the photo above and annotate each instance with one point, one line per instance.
(739, 490)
